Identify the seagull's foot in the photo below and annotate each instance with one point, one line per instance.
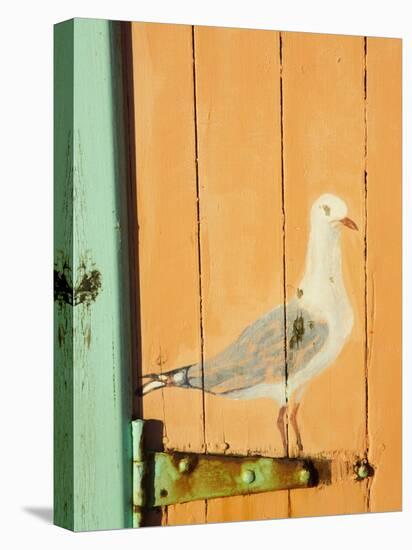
(281, 427)
(294, 422)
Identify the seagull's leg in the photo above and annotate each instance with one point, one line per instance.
(294, 422)
(281, 427)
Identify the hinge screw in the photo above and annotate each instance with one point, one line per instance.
(362, 469)
(248, 476)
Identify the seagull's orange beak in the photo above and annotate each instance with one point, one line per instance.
(349, 223)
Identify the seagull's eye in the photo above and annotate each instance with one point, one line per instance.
(326, 209)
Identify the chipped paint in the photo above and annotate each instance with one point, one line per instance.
(85, 291)
(88, 288)
(298, 332)
(91, 273)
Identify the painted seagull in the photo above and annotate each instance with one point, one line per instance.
(266, 362)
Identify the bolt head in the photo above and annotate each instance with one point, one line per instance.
(363, 471)
(184, 465)
(248, 476)
(304, 476)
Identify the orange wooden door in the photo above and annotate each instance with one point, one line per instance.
(237, 133)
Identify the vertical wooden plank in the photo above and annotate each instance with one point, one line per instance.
(63, 256)
(384, 270)
(101, 361)
(238, 127)
(167, 219)
(324, 152)
(96, 285)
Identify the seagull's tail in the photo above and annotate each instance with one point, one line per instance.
(174, 378)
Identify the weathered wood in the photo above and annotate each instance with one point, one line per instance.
(384, 270)
(239, 148)
(92, 383)
(63, 256)
(324, 152)
(249, 109)
(167, 239)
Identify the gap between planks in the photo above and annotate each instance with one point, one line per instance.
(199, 252)
(365, 181)
(285, 340)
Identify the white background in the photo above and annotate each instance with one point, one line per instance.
(26, 281)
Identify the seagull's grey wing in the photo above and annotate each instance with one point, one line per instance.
(257, 356)
(306, 335)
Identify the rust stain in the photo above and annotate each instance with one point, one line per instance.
(180, 477)
(362, 469)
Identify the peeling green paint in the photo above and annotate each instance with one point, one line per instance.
(85, 291)
(93, 447)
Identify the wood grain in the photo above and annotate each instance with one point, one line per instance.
(167, 239)
(384, 270)
(238, 128)
(324, 152)
(92, 432)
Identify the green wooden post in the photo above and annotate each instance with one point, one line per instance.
(93, 444)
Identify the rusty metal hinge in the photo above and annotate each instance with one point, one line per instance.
(162, 478)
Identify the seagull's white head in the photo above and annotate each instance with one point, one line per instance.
(330, 210)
